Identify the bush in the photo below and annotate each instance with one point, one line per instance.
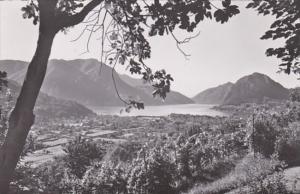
(153, 173)
(288, 145)
(80, 154)
(252, 174)
(272, 184)
(263, 133)
(50, 175)
(105, 178)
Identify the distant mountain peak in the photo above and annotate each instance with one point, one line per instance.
(253, 88)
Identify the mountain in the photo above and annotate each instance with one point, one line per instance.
(214, 95)
(254, 88)
(173, 97)
(51, 107)
(85, 81)
(134, 82)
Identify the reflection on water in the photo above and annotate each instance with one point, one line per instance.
(193, 109)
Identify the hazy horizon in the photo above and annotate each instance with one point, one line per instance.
(221, 53)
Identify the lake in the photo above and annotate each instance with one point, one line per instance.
(164, 110)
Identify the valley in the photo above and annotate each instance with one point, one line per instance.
(205, 147)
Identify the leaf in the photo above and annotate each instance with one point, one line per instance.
(208, 15)
(233, 10)
(267, 35)
(135, 68)
(250, 5)
(199, 17)
(276, 24)
(220, 16)
(226, 3)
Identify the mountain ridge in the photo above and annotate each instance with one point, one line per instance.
(213, 95)
(80, 80)
(253, 88)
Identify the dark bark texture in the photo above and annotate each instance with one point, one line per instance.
(22, 117)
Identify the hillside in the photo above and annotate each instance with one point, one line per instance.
(81, 81)
(51, 107)
(214, 95)
(254, 88)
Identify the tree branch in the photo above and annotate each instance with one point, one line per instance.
(68, 21)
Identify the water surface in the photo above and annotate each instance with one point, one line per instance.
(164, 110)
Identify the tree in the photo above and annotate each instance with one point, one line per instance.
(130, 20)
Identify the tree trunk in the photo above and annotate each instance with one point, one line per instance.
(22, 117)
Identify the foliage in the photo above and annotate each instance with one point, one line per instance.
(126, 34)
(80, 154)
(132, 20)
(50, 175)
(3, 81)
(125, 152)
(270, 182)
(129, 24)
(288, 145)
(152, 172)
(101, 177)
(217, 158)
(22, 183)
(5, 106)
(276, 132)
(285, 26)
(4, 114)
(295, 95)
(264, 134)
(105, 178)
(249, 176)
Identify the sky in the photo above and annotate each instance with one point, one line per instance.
(221, 53)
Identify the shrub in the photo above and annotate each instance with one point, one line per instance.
(152, 173)
(271, 184)
(252, 174)
(80, 154)
(288, 145)
(105, 178)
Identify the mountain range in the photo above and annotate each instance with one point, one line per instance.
(90, 83)
(254, 88)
